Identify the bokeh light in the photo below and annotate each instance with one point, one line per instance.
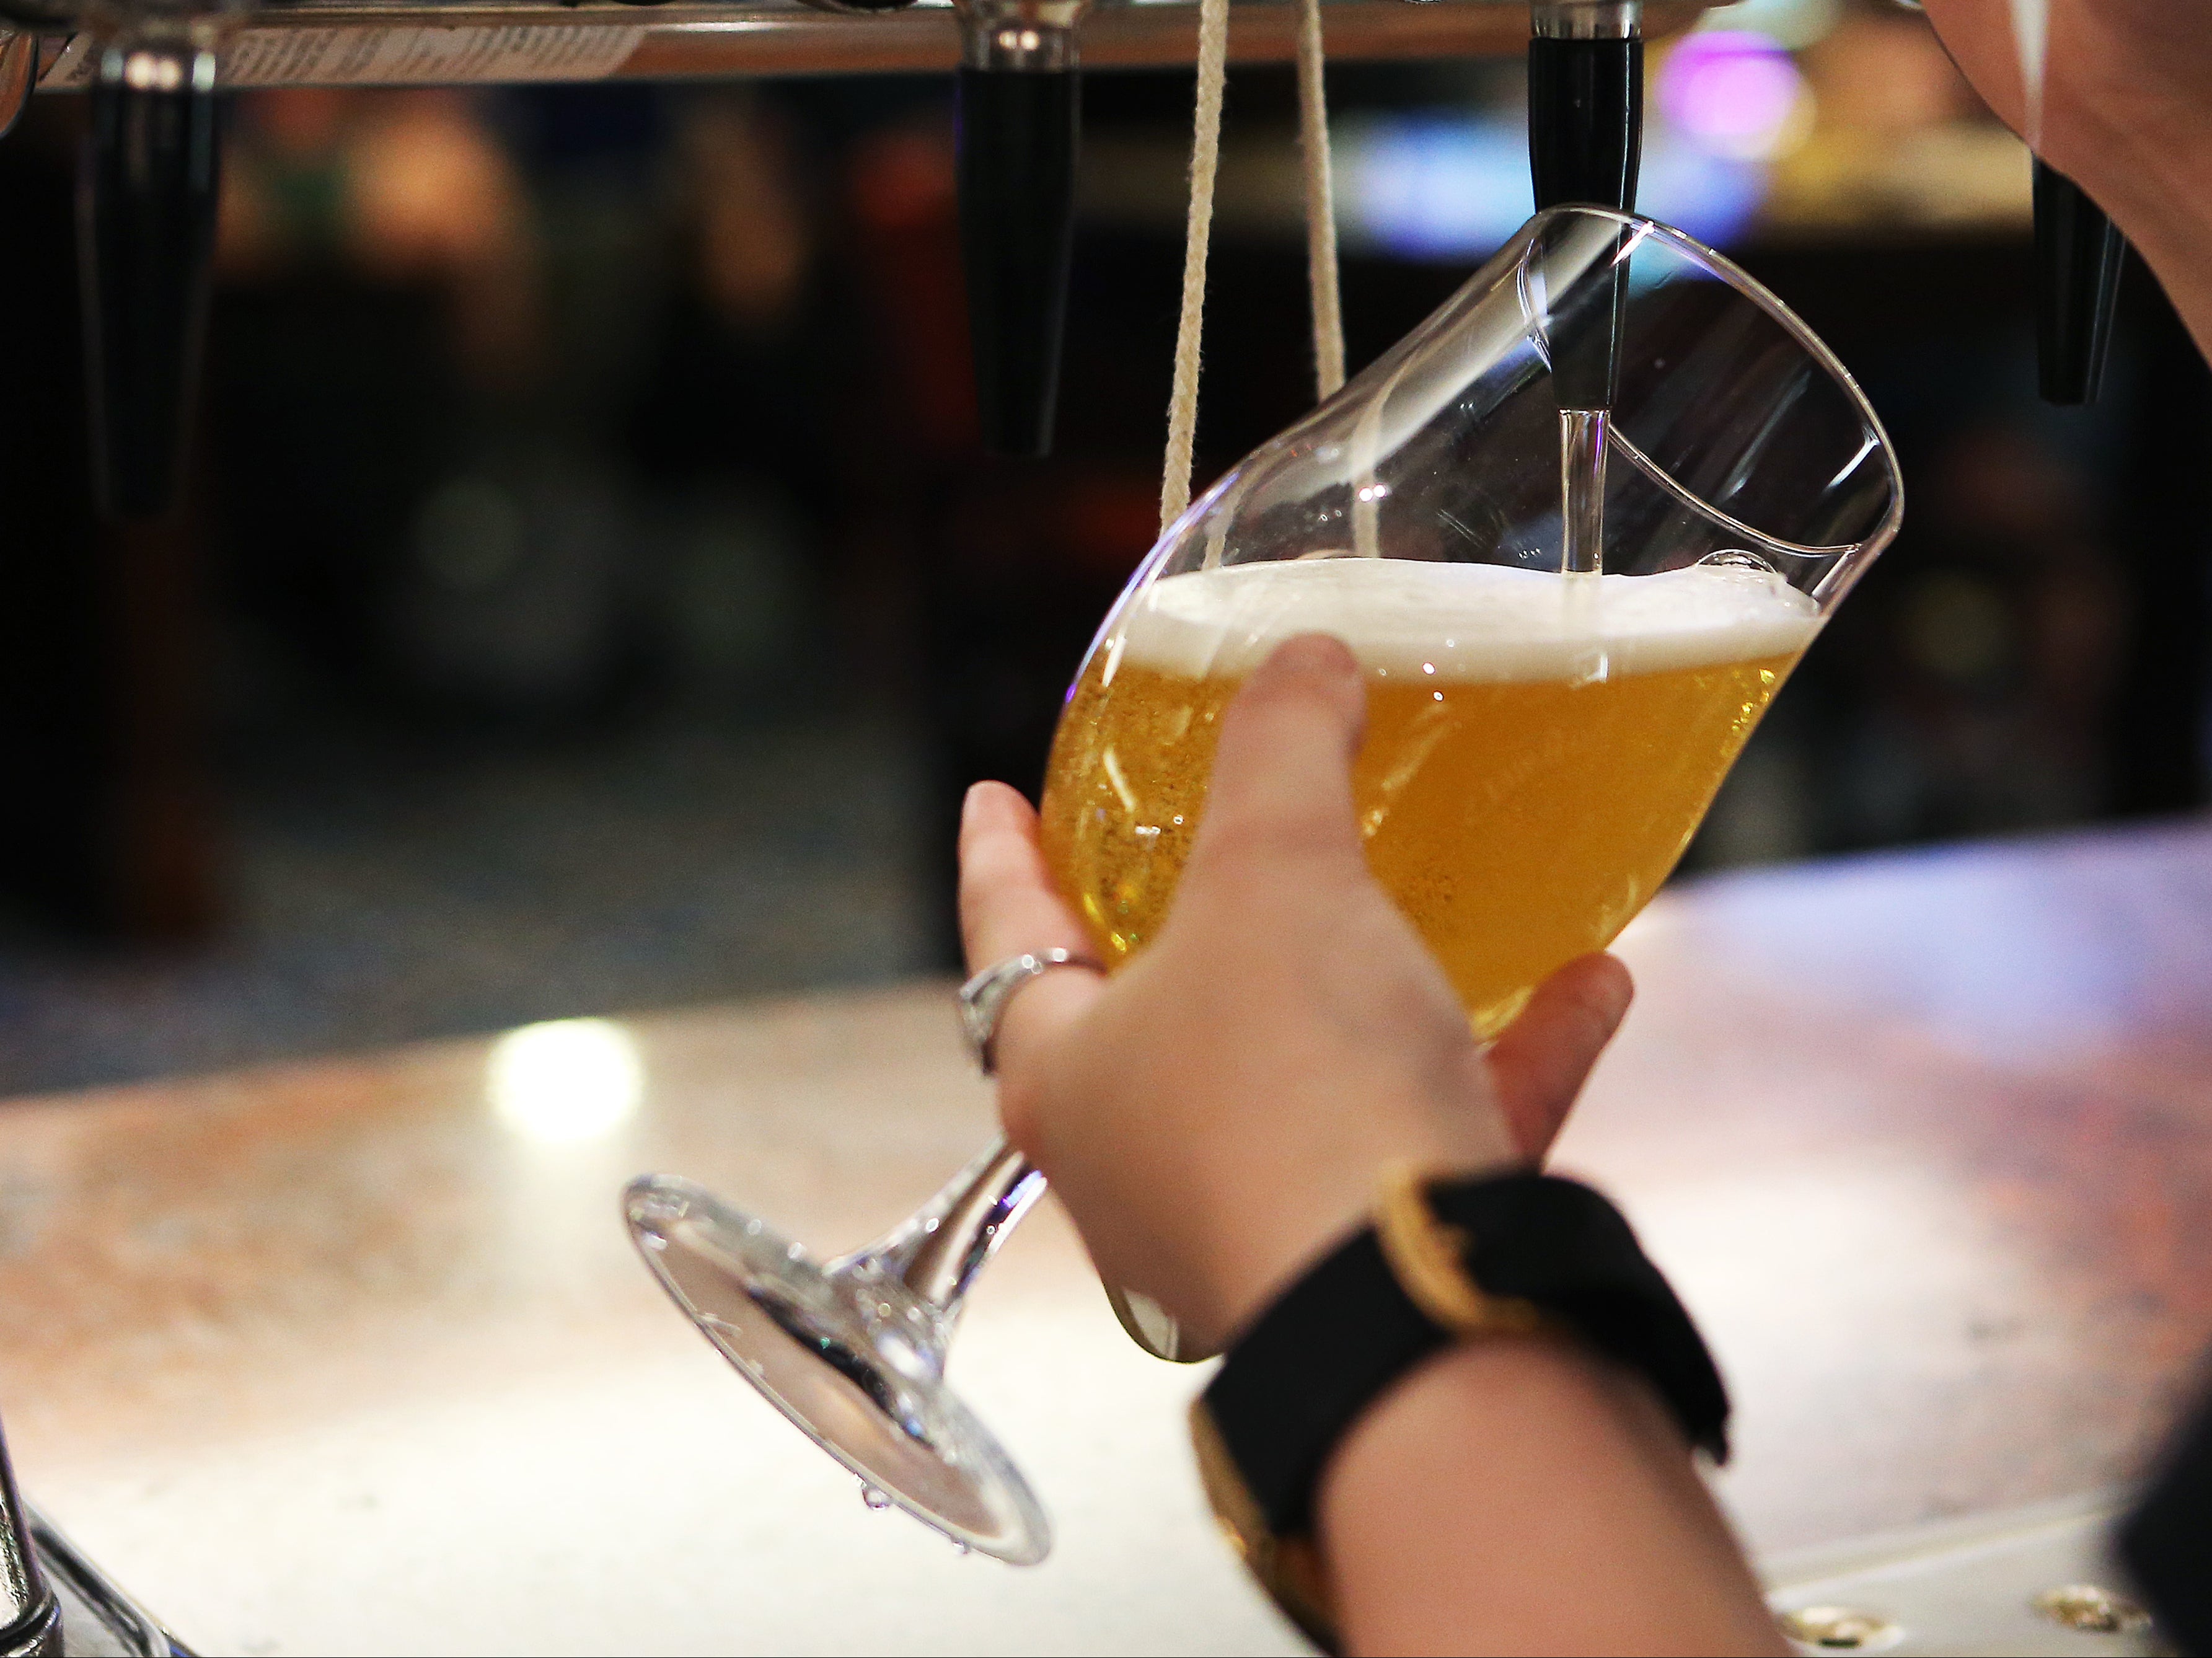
(1736, 94)
(566, 1080)
(1454, 184)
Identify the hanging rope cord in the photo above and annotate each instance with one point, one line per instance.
(1321, 207)
(1321, 235)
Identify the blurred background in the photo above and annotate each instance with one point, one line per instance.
(593, 596)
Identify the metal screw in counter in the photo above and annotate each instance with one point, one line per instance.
(30, 1618)
(54, 1603)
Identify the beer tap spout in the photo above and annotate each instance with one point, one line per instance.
(1020, 112)
(1586, 144)
(1585, 100)
(147, 218)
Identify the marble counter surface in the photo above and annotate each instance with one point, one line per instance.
(356, 1357)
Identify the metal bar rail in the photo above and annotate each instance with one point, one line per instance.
(315, 44)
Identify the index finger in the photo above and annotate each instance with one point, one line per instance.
(1009, 906)
(1008, 903)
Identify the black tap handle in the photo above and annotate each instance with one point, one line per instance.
(1585, 120)
(1586, 144)
(146, 222)
(1018, 129)
(2078, 255)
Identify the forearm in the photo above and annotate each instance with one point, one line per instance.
(2147, 161)
(2164, 207)
(1515, 1497)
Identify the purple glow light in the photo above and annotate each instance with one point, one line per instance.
(1453, 186)
(1730, 90)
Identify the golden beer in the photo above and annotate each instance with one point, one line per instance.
(1540, 748)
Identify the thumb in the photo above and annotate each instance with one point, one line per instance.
(1282, 772)
(1545, 1056)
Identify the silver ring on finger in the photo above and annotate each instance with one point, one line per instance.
(983, 998)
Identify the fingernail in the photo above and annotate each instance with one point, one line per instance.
(968, 805)
(1624, 986)
(1318, 653)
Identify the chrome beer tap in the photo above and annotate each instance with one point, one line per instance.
(145, 215)
(146, 238)
(1585, 144)
(1017, 118)
(1585, 100)
(154, 70)
(1020, 104)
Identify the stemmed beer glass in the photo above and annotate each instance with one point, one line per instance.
(1577, 528)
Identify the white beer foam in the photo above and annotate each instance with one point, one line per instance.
(1436, 623)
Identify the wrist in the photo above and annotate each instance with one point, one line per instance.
(1262, 1232)
(1447, 1263)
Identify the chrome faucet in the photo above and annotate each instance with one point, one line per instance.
(54, 1603)
(1585, 100)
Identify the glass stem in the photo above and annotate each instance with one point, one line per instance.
(936, 1252)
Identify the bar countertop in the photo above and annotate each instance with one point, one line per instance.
(356, 1356)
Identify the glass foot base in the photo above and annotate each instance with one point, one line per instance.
(850, 1355)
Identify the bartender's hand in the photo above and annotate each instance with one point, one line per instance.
(1217, 1114)
(2127, 115)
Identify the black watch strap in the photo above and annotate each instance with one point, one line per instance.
(1447, 1261)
